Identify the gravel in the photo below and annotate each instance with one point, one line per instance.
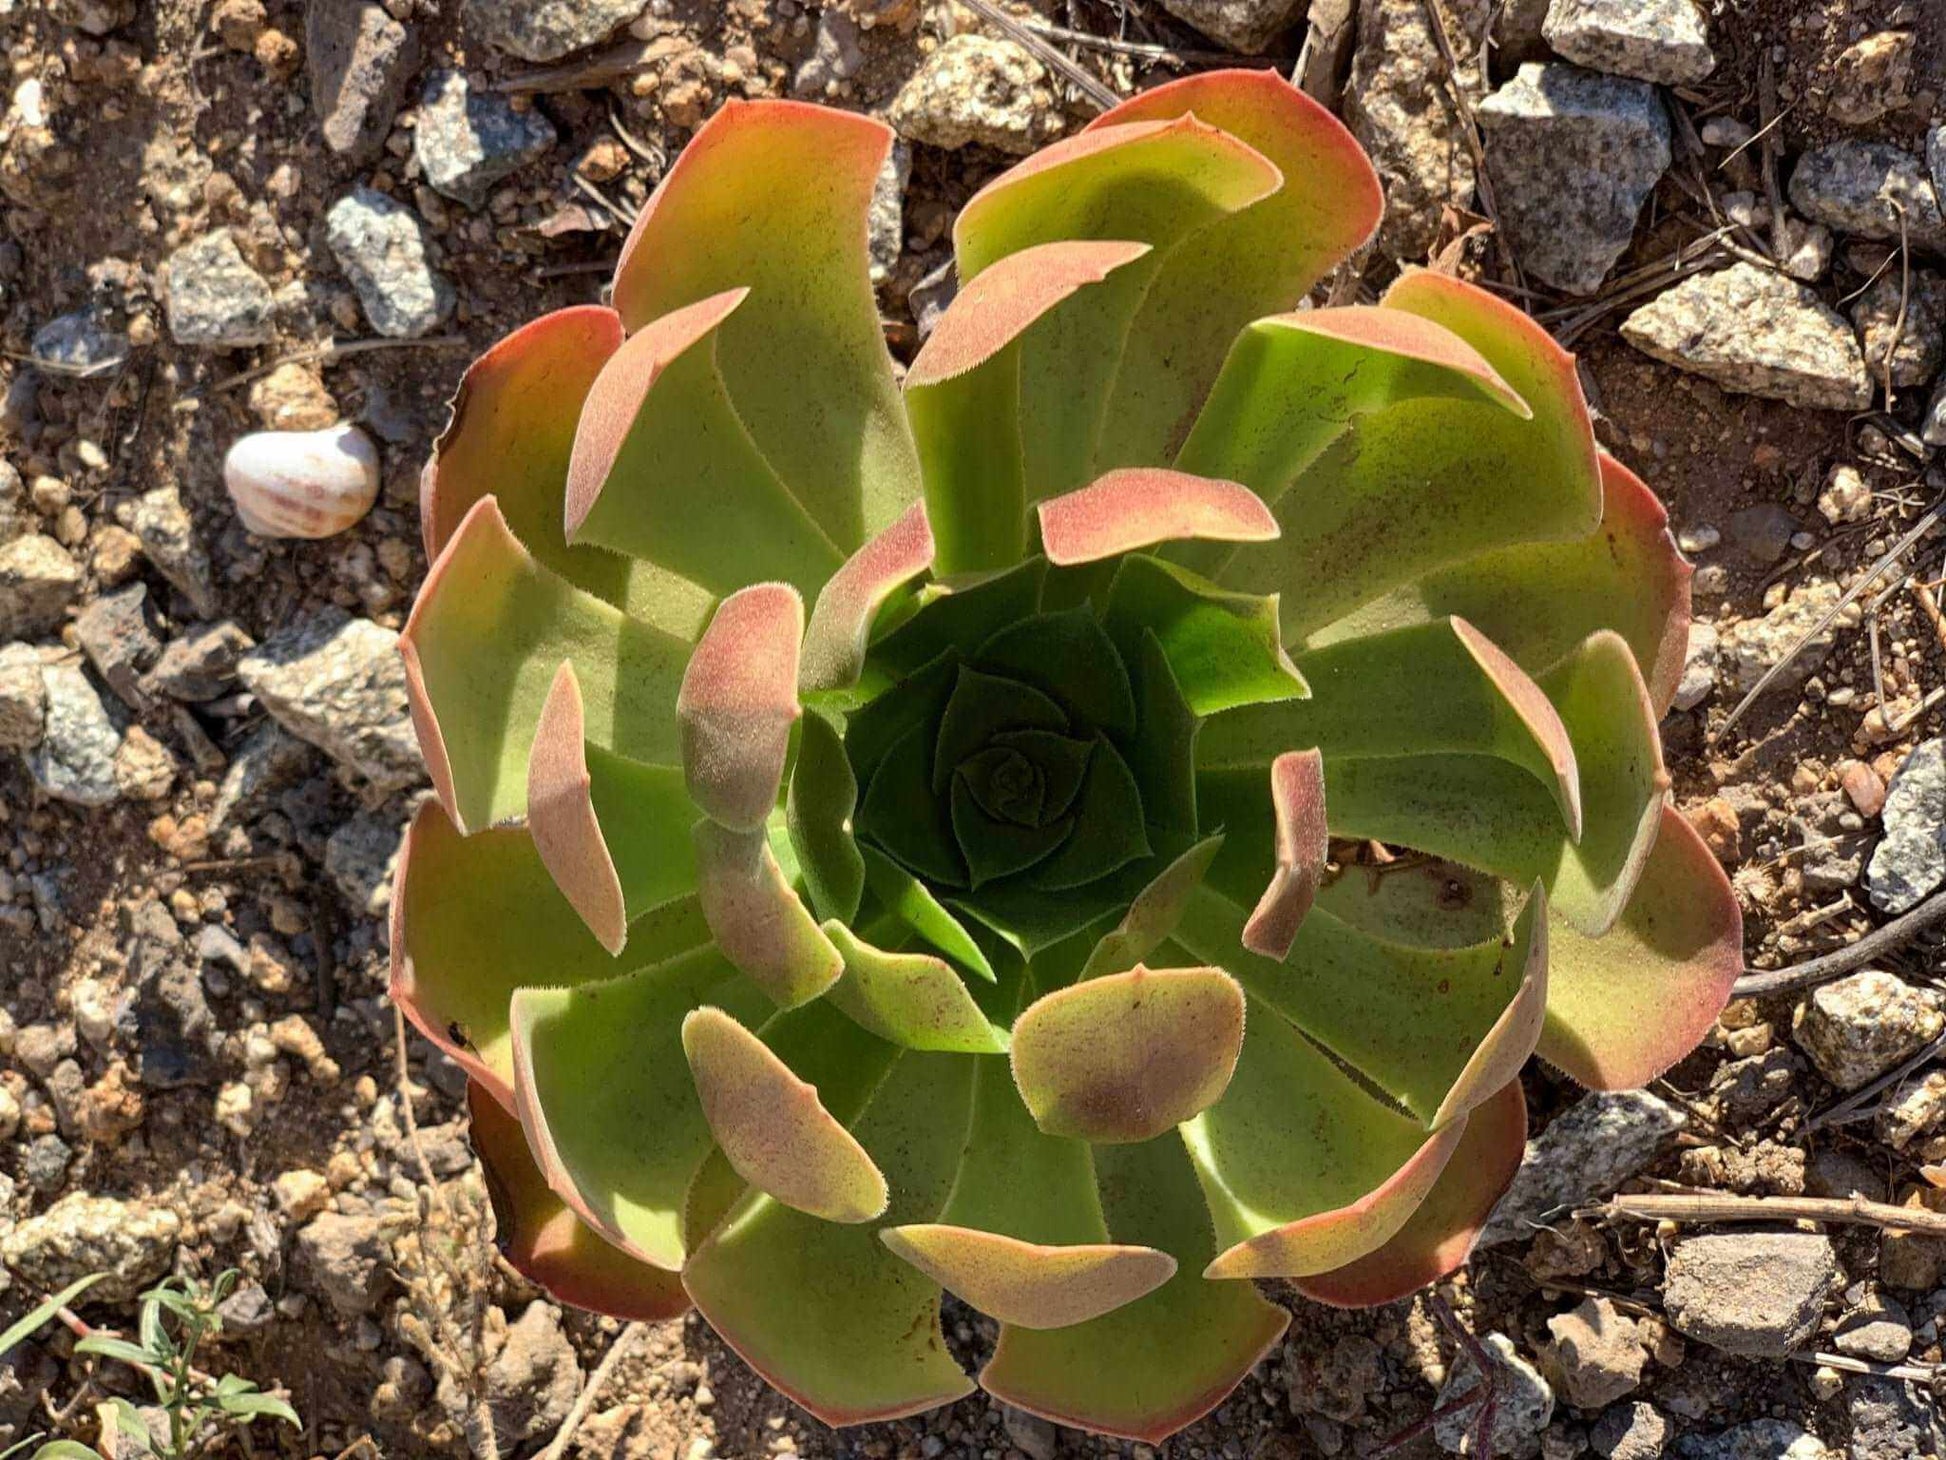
(1750, 330)
(1525, 1403)
(1761, 1439)
(1398, 105)
(39, 579)
(337, 682)
(23, 697)
(360, 61)
(1891, 1420)
(216, 300)
(1666, 41)
(1759, 1294)
(468, 140)
(1573, 155)
(1910, 861)
(1852, 186)
(546, 30)
(1750, 649)
(382, 247)
(1248, 26)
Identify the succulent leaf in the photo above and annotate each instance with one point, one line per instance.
(1139, 507)
(1301, 843)
(757, 918)
(738, 703)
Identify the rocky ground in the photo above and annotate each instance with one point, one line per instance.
(219, 215)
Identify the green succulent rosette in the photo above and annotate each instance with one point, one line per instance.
(1096, 821)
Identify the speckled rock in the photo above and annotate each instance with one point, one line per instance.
(23, 697)
(1242, 25)
(546, 30)
(1759, 1294)
(345, 1260)
(167, 534)
(360, 858)
(1911, 859)
(75, 759)
(1524, 1399)
(216, 300)
(1399, 104)
(1655, 40)
(82, 341)
(1597, 1353)
(1891, 1420)
(1912, 314)
(337, 682)
(1857, 1027)
(38, 580)
(1746, 651)
(1852, 185)
(977, 90)
(468, 140)
(1871, 77)
(886, 220)
(1588, 1150)
(1760, 1439)
(1573, 154)
(1632, 1431)
(132, 1242)
(381, 245)
(1751, 330)
(360, 60)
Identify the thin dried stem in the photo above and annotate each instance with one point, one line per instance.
(332, 351)
(1049, 55)
(584, 1401)
(1853, 1107)
(1717, 1207)
(1836, 964)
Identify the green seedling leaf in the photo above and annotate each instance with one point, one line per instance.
(30, 1322)
(1222, 648)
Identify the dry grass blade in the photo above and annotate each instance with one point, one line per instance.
(1048, 54)
(1850, 596)
(1853, 1107)
(591, 1391)
(1717, 1207)
(598, 69)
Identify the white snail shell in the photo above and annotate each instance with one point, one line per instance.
(302, 483)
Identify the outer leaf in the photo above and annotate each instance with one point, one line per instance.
(476, 918)
(490, 628)
(1302, 1169)
(1538, 600)
(607, 1102)
(1439, 1234)
(964, 388)
(510, 435)
(643, 859)
(1294, 383)
(1261, 260)
(1222, 648)
(1153, 914)
(757, 918)
(910, 999)
(1441, 688)
(1158, 183)
(1423, 1024)
(664, 470)
(1123, 1057)
(738, 703)
(1482, 477)
(1297, 804)
(772, 1127)
(1110, 1374)
(1626, 1006)
(1138, 507)
(823, 795)
(841, 620)
(1026, 1283)
(546, 1242)
(773, 197)
(823, 1311)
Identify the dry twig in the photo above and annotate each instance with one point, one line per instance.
(1719, 1207)
(584, 1401)
(1836, 964)
(1048, 54)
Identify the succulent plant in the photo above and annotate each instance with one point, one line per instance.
(1100, 820)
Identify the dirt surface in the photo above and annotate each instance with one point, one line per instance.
(128, 139)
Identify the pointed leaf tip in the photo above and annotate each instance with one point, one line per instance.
(1138, 507)
(1537, 712)
(1124, 1057)
(1297, 800)
(738, 703)
(561, 815)
(772, 1126)
(841, 620)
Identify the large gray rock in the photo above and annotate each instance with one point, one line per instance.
(1910, 861)
(468, 140)
(546, 30)
(975, 90)
(1399, 104)
(131, 1242)
(1759, 1294)
(38, 580)
(381, 245)
(532, 1381)
(75, 760)
(1632, 1431)
(1524, 1403)
(1653, 40)
(338, 682)
(216, 299)
(360, 60)
(1597, 1353)
(1572, 154)
(1587, 1151)
(1242, 25)
(1852, 186)
(1753, 331)
(1857, 1027)
(361, 858)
